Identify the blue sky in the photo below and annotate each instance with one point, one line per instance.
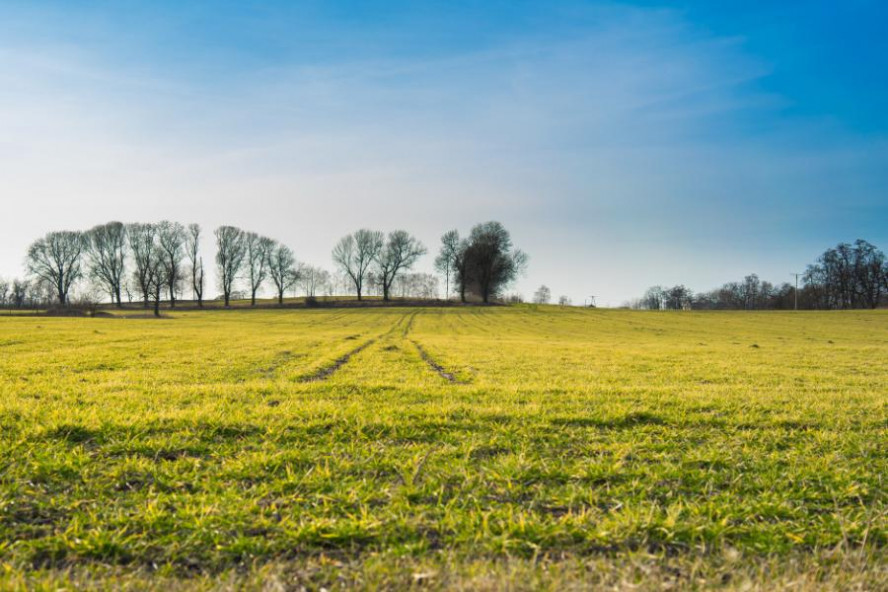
(624, 144)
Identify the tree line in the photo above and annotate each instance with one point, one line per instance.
(154, 262)
(847, 276)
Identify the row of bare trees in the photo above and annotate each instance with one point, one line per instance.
(366, 252)
(483, 264)
(159, 261)
(156, 252)
(22, 294)
(258, 258)
(844, 277)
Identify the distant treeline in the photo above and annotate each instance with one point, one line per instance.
(844, 277)
(150, 263)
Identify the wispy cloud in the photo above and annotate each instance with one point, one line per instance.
(637, 135)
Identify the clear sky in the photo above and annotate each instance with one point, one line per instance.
(623, 144)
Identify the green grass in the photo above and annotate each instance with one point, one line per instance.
(531, 447)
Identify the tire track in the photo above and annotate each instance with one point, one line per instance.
(277, 362)
(442, 372)
(341, 361)
(428, 359)
(326, 371)
(409, 324)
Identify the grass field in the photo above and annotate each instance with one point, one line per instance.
(476, 448)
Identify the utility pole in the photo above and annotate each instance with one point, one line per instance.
(796, 293)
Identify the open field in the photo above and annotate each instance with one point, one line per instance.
(479, 448)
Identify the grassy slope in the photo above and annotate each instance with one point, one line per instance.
(575, 447)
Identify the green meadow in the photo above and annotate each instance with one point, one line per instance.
(462, 448)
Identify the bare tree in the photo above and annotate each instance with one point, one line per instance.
(355, 253)
(869, 274)
(750, 291)
(257, 249)
(847, 276)
(192, 245)
(143, 244)
(314, 280)
(462, 271)
(399, 253)
(654, 298)
(563, 301)
(444, 262)
(57, 260)
(543, 295)
(19, 294)
(106, 245)
(4, 293)
(230, 253)
(282, 269)
(493, 263)
(157, 281)
(679, 297)
(416, 285)
(171, 238)
(660, 298)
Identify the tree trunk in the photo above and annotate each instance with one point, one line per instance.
(227, 299)
(485, 290)
(281, 297)
(157, 307)
(253, 297)
(172, 296)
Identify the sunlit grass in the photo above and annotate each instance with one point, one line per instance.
(203, 448)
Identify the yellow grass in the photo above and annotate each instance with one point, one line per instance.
(523, 447)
